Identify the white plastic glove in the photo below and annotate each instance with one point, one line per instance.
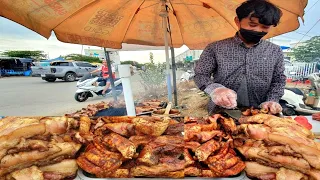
(224, 97)
(273, 107)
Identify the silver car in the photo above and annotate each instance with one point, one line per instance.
(65, 70)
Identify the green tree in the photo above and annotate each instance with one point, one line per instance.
(133, 63)
(308, 52)
(151, 58)
(79, 57)
(153, 79)
(25, 54)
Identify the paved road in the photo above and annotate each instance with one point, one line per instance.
(31, 96)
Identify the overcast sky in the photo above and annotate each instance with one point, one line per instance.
(16, 37)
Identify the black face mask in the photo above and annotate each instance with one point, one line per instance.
(252, 36)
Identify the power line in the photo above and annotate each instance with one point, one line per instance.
(301, 33)
(307, 32)
(312, 6)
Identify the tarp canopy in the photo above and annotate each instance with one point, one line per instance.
(284, 47)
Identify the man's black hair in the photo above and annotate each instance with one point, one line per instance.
(266, 12)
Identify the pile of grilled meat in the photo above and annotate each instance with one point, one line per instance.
(209, 147)
(123, 147)
(141, 107)
(277, 148)
(90, 111)
(38, 148)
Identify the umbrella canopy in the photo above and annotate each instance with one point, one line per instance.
(107, 23)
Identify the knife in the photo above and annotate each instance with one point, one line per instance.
(233, 113)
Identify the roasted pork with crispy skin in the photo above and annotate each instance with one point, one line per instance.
(284, 174)
(254, 169)
(123, 145)
(205, 136)
(13, 138)
(172, 145)
(55, 125)
(29, 144)
(204, 151)
(31, 173)
(22, 160)
(157, 170)
(192, 171)
(108, 163)
(116, 119)
(188, 158)
(122, 128)
(148, 127)
(89, 167)
(279, 143)
(228, 124)
(175, 129)
(12, 123)
(63, 169)
(85, 123)
(141, 140)
(193, 145)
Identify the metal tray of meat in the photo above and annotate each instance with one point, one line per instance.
(82, 176)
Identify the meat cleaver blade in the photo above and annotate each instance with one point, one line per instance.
(234, 113)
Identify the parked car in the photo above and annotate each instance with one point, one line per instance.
(65, 70)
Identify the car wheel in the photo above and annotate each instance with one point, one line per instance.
(81, 97)
(50, 79)
(70, 77)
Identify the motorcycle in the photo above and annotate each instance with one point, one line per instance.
(88, 86)
(187, 76)
(293, 100)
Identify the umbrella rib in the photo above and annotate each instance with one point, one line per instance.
(222, 17)
(125, 34)
(192, 12)
(90, 3)
(178, 25)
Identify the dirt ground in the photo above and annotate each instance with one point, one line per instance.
(191, 101)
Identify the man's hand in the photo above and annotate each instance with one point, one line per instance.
(273, 107)
(224, 97)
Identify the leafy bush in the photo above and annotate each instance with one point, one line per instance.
(153, 79)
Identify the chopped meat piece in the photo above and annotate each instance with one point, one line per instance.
(192, 171)
(204, 151)
(123, 145)
(146, 127)
(284, 174)
(254, 169)
(124, 129)
(193, 145)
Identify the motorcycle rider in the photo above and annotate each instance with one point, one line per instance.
(105, 75)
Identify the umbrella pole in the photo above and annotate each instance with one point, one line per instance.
(173, 61)
(110, 74)
(164, 15)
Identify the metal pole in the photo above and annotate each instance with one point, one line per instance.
(114, 94)
(173, 61)
(164, 15)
